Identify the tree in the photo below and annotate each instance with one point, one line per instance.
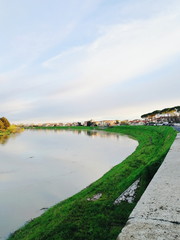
(117, 122)
(89, 123)
(5, 122)
(1, 125)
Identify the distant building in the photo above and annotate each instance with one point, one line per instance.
(137, 122)
(171, 115)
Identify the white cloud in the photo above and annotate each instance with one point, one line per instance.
(16, 106)
(123, 52)
(69, 55)
(89, 79)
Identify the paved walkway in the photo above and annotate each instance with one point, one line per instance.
(177, 128)
(157, 214)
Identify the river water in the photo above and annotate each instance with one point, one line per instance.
(39, 168)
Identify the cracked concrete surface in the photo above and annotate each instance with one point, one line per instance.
(157, 214)
(129, 194)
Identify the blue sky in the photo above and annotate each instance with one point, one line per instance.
(75, 60)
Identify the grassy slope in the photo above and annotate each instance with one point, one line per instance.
(79, 219)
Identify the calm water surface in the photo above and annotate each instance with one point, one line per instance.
(39, 168)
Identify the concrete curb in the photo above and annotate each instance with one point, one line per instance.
(157, 214)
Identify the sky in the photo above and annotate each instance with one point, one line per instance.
(75, 60)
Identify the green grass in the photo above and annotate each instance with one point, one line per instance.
(79, 219)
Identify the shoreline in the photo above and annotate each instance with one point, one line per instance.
(6, 134)
(10, 130)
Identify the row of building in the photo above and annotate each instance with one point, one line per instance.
(110, 123)
(155, 118)
(170, 117)
(103, 123)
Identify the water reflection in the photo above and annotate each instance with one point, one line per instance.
(4, 138)
(42, 167)
(90, 133)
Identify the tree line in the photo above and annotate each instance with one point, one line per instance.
(170, 111)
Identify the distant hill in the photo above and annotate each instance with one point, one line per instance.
(163, 111)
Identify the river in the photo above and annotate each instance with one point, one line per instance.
(39, 168)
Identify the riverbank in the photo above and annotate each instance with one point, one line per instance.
(81, 218)
(156, 216)
(10, 130)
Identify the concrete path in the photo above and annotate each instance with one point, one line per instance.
(177, 127)
(157, 214)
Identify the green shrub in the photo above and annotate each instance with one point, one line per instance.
(2, 125)
(5, 122)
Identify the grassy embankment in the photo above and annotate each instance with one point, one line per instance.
(79, 219)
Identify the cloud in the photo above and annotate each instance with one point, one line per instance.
(16, 106)
(109, 75)
(121, 53)
(31, 31)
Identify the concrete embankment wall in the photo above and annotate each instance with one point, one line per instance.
(157, 214)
